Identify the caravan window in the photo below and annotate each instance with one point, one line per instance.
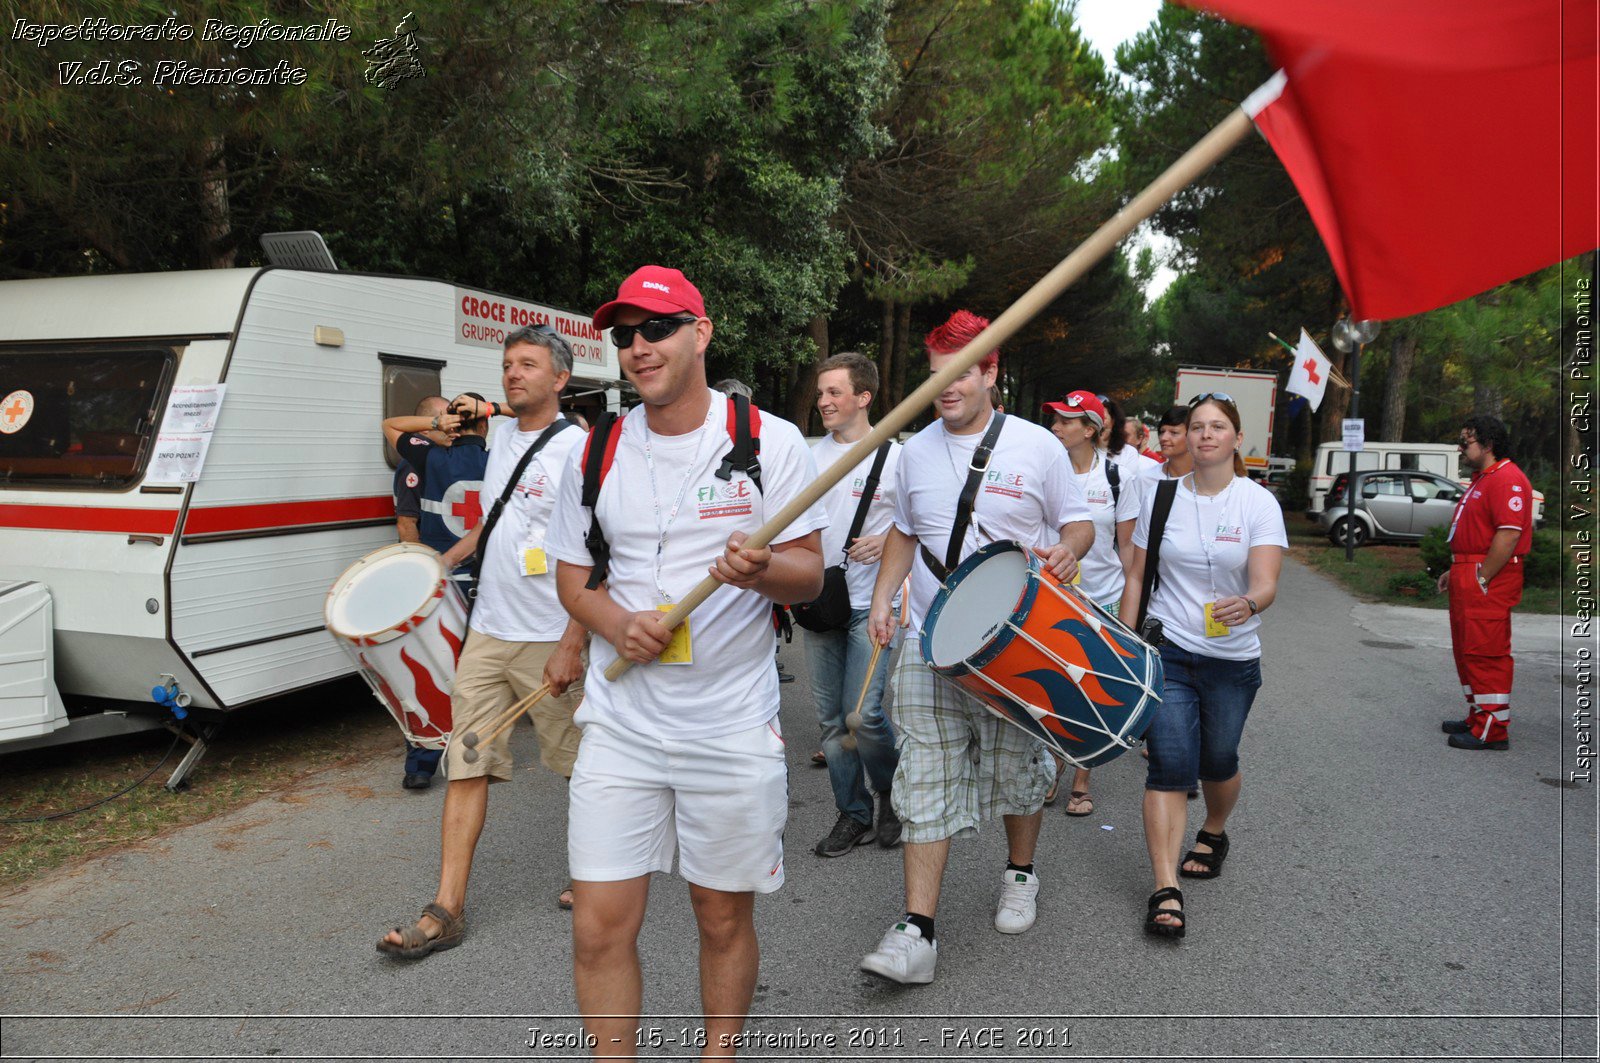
(79, 417)
(1339, 461)
(406, 382)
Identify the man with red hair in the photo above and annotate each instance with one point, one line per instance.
(959, 764)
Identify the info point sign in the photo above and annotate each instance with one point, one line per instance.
(483, 319)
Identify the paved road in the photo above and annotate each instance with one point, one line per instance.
(1387, 896)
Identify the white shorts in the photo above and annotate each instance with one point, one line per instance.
(721, 803)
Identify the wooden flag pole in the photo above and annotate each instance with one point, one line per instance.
(1205, 154)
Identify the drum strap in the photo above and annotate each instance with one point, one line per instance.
(964, 505)
(1166, 491)
(493, 518)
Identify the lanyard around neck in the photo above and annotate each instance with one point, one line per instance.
(689, 475)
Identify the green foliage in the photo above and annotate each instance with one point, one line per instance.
(1412, 585)
(1435, 551)
(1296, 492)
(1543, 564)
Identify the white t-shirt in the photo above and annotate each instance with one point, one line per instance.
(1102, 566)
(1027, 494)
(1244, 515)
(731, 684)
(840, 503)
(513, 606)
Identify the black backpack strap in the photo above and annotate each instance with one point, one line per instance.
(1114, 478)
(969, 498)
(493, 518)
(594, 461)
(867, 492)
(745, 456)
(1166, 491)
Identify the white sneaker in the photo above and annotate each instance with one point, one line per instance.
(1019, 902)
(903, 956)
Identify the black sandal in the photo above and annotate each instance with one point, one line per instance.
(1212, 860)
(1165, 930)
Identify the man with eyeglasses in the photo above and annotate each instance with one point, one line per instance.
(518, 636)
(1490, 534)
(682, 755)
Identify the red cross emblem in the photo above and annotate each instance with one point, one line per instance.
(469, 509)
(15, 410)
(1310, 366)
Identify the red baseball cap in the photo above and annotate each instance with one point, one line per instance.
(1080, 404)
(657, 289)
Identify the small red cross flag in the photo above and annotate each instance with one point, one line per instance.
(1309, 375)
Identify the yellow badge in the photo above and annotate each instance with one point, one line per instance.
(534, 563)
(1214, 628)
(681, 649)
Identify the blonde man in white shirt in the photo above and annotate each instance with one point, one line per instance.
(846, 384)
(518, 637)
(959, 765)
(682, 755)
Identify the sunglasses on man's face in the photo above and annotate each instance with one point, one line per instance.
(654, 330)
(1465, 443)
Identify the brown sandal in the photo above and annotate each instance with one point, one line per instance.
(1081, 797)
(415, 942)
(564, 899)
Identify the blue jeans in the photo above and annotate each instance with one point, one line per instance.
(421, 761)
(838, 663)
(1196, 728)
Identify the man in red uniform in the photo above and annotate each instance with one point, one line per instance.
(1491, 532)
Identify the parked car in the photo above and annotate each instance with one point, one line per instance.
(1392, 505)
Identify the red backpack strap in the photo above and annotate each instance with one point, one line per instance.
(744, 428)
(607, 432)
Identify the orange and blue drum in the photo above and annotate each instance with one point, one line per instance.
(1042, 656)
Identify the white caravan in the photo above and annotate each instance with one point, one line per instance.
(201, 564)
(1442, 459)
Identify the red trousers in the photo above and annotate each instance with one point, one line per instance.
(1480, 638)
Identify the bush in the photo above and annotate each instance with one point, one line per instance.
(1296, 490)
(1542, 566)
(1436, 551)
(1412, 585)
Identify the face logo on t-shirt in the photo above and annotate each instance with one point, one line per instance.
(998, 482)
(736, 498)
(860, 484)
(1229, 533)
(533, 483)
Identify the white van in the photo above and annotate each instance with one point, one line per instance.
(116, 572)
(1442, 459)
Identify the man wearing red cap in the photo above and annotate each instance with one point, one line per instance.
(683, 752)
(959, 764)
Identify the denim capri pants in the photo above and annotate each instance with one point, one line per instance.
(1195, 731)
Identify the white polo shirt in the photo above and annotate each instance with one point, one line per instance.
(1102, 566)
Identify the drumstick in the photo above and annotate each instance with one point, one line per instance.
(852, 722)
(1189, 166)
(504, 720)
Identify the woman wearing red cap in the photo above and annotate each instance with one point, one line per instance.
(1112, 496)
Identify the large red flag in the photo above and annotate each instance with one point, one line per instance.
(1441, 146)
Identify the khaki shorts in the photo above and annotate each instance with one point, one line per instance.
(490, 677)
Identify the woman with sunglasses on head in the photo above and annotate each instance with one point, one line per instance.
(1220, 555)
(1112, 496)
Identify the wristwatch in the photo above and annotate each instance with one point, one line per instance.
(1254, 608)
(1483, 584)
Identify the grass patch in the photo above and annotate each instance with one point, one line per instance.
(260, 750)
(1382, 571)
